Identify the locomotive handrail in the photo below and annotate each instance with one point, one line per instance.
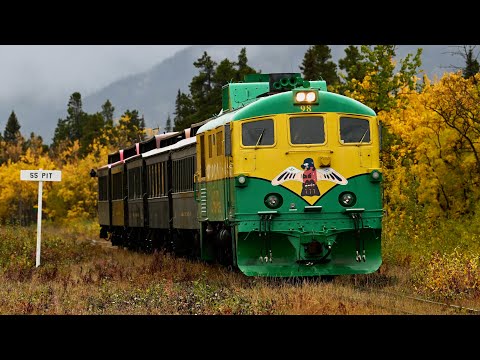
(195, 177)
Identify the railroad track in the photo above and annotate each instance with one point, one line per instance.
(457, 308)
(374, 304)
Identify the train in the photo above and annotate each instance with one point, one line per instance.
(285, 181)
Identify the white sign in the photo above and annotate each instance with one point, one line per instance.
(41, 175)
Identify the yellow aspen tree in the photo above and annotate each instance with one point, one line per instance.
(75, 198)
(438, 151)
(18, 198)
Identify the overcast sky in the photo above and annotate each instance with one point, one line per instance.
(48, 71)
(36, 81)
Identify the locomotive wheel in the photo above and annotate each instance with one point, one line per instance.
(225, 247)
(196, 245)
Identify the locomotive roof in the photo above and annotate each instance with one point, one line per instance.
(282, 103)
(175, 146)
(220, 120)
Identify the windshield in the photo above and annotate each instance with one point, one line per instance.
(354, 130)
(307, 130)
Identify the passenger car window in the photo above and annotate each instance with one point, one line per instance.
(307, 130)
(259, 133)
(354, 130)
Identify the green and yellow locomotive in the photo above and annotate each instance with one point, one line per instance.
(289, 178)
(285, 181)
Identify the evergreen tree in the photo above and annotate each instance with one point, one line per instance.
(12, 129)
(35, 144)
(317, 65)
(202, 83)
(353, 64)
(205, 98)
(75, 116)
(92, 126)
(471, 63)
(205, 103)
(184, 111)
(224, 74)
(135, 119)
(242, 66)
(107, 112)
(168, 124)
(61, 133)
(472, 66)
(70, 128)
(134, 125)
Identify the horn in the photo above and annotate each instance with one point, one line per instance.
(284, 81)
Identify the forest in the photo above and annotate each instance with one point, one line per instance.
(430, 153)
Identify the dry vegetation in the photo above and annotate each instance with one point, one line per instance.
(81, 276)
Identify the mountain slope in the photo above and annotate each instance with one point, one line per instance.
(153, 92)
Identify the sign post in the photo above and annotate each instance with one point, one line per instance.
(40, 176)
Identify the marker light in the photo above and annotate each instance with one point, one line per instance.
(375, 176)
(241, 181)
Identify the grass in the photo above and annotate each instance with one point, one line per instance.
(78, 276)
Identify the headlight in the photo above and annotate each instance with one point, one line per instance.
(347, 199)
(311, 96)
(300, 97)
(273, 201)
(305, 97)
